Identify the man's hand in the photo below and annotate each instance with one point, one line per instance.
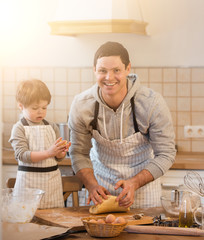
(96, 192)
(126, 197)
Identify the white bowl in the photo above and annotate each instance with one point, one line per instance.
(19, 205)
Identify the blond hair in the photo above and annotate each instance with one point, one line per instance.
(31, 91)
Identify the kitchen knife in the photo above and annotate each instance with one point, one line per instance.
(165, 230)
(77, 229)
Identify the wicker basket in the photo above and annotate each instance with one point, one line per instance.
(102, 230)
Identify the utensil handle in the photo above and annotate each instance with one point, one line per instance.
(65, 234)
(165, 230)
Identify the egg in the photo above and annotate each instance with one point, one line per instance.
(64, 143)
(93, 221)
(120, 220)
(110, 218)
(101, 221)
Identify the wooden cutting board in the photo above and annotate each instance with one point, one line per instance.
(71, 217)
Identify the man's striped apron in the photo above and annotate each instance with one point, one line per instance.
(113, 161)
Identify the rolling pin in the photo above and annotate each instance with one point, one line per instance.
(165, 230)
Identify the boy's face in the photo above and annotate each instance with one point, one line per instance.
(111, 75)
(35, 112)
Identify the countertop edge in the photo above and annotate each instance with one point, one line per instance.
(183, 160)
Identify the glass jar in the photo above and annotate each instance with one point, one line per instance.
(185, 212)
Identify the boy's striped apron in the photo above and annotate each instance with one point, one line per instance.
(45, 174)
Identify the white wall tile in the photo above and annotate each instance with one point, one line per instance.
(74, 75)
(184, 146)
(21, 74)
(9, 75)
(87, 75)
(169, 90)
(155, 75)
(7, 129)
(183, 104)
(60, 89)
(169, 74)
(156, 87)
(60, 103)
(184, 89)
(35, 73)
(47, 75)
(198, 90)
(197, 104)
(9, 102)
(197, 74)
(50, 115)
(60, 116)
(60, 74)
(171, 102)
(183, 74)
(74, 88)
(143, 74)
(9, 116)
(197, 146)
(86, 85)
(9, 88)
(197, 118)
(183, 118)
(51, 88)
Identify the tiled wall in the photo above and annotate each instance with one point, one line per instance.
(182, 88)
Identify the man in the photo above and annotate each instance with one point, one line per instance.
(121, 133)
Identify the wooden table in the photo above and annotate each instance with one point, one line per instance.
(134, 236)
(83, 212)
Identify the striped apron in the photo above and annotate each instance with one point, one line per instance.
(45, 174)
(113, 161)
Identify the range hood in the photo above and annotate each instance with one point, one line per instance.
(74, 17)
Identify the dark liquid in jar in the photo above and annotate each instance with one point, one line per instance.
(185, 219)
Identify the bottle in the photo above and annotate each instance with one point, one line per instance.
(185, 212)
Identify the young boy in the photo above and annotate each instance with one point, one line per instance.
(37, 144)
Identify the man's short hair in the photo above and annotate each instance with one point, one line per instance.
(112, 49)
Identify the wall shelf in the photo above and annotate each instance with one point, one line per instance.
(73, 28)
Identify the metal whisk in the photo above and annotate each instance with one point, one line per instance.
(194, 182)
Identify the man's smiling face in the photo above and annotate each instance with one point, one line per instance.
(111, 75)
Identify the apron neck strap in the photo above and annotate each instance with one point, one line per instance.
(133, 114)
(25, 123)
(94, 121)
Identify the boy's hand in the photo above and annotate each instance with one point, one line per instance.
(59, 148)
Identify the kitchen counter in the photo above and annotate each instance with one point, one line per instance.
(184, 160)
(42, 216)
(9, 159)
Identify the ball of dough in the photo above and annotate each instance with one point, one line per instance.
(108, 205)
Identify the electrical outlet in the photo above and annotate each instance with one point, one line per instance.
(194, 131)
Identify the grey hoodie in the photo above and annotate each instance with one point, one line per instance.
(153, 119)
